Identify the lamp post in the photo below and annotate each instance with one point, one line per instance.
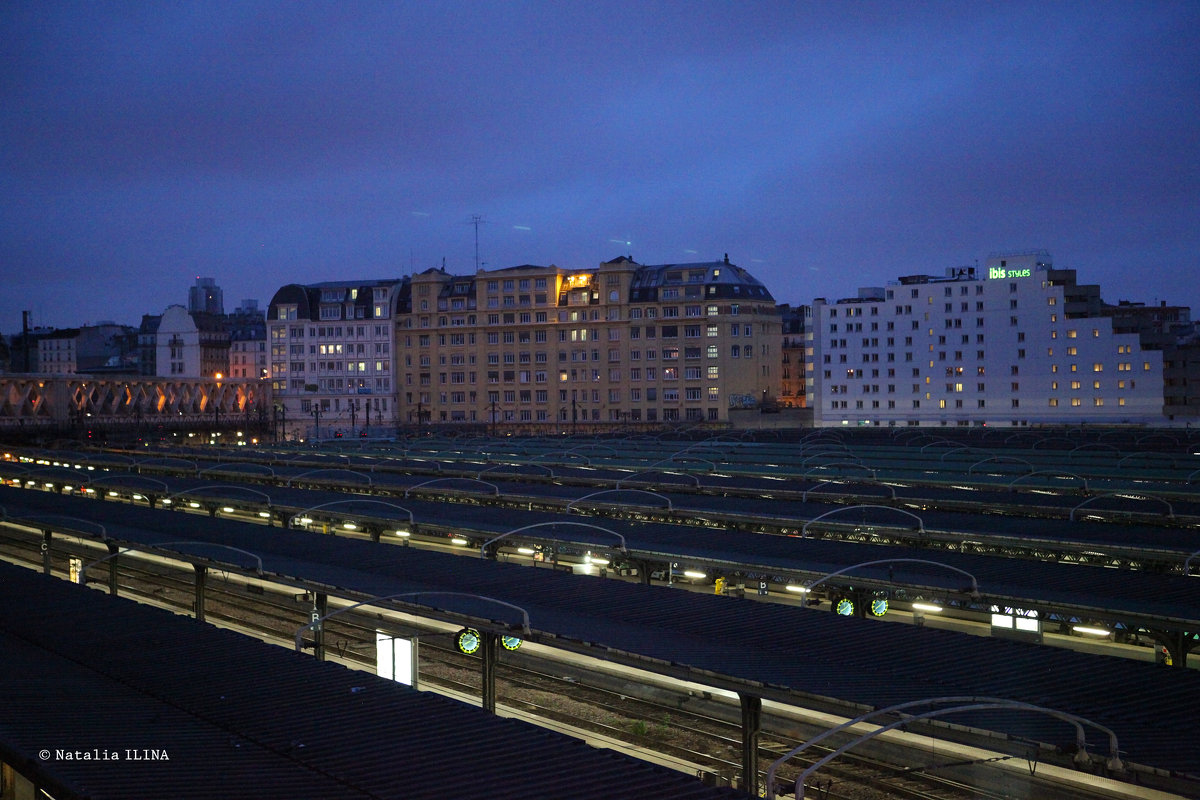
(316, 422)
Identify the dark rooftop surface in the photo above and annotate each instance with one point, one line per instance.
(84, 672)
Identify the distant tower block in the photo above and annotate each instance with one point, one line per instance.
(205, 297)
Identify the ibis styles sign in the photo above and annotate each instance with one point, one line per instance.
(1001, 272)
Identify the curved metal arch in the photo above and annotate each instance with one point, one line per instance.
(1053, 473)
(166, 461)
(146, 545)
(674, 458)
(215, 467)
(659, 472)
(1048, 439)
(965, 703)
(826, 448)
(495, 488)
(327, 469)
(830, 453)
(806, 492)
(63, 472)
(722, 438)
(1022, 435)
(299, 514)
(51, 518)
(1170, 508)
(1187, 564)
(484, 547)
(1157, 435)
(942, 442)
(549, 472)
(376, 600)
(1095, 446)
(103, 455)
(822, 433)
(234, 487)
(1001, 460)
(670, 506)
(101, 480)
(920, 522)
(910, 433)
(858, 465)
(974, 583)
(592, 446)
(958, 448)
(562, 457)
(1148, 455)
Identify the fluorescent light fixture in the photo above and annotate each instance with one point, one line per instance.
(305, 520)
(265, 514)
(350, 526)
(525, 551)
(66, 488)
(405, 534)
(600, 562)
(795, 587)
(112, 494)
(166, 501)
(458, 540)
(138, 497)
(1090, 631)
(926, 607)
(193, 505)
(693, 573)
(227, 509)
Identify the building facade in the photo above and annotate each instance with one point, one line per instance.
(190, 345)
(796, 352)
(1019, 343)
(105, 347)
(531, 347)
(247, 328)
(206, 297)
(331, 349)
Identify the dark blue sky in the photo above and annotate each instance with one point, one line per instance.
(822, 145)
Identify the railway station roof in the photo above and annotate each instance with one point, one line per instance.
(105, 687)
(776, 651)
(1069, 588)
(949, 506)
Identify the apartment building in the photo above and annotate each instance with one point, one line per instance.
(247, 342)
(539, 347)
(1020, 343)
(331, 353)
(529, 347)
(796, 352)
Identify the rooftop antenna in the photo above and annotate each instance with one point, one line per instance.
(477, 220)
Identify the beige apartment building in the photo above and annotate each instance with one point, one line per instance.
(544, 348)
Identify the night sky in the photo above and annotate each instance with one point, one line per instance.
(822, 145)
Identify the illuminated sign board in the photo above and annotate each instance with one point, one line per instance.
(396, 658)
(1001, 272)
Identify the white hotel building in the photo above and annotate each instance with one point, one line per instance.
(1018, 344)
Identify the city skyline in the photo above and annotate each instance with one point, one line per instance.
(822, 147)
